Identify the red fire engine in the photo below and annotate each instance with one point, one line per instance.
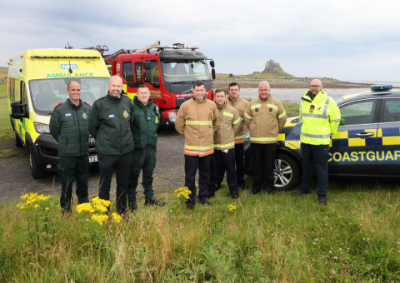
(168, 70)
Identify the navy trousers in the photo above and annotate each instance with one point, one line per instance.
(191, 165)
(228, 161)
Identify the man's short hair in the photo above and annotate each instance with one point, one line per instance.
(69, 83)
(198, 83)
(264, 82)
(143, 86)
(219, 90)
(233, 84)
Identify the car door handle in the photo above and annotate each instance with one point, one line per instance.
(364, 135)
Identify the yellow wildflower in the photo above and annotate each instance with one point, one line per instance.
(232, 206)
(36, 205)
(87, 220)
(100, 207)
(100, 218)
(117, 217)
(183, 191)
(100, 201)
(84, 207)
(47, 208)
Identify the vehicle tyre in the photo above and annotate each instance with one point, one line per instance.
(36, 171)
(17, 141)
(286, 172)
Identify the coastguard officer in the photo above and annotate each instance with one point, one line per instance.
(265, 117)
(111, 125)
(228, 124)
(69, 125)
(321, 117)
(146, 119)
(196, 122)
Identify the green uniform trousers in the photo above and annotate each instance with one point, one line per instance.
(142, 159)
(72, 168)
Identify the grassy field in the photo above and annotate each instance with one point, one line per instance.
(3, 90)
(355, 238)
(3, 72)
(5, 126)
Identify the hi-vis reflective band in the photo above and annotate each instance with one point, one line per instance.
(282, 115)
(263, 139)
(199, 123)
(336, 121)
(256, 106)
(227, 114)
(315, 136)
(323, 115)
(272, 106)
(224, 146)
(198, 150)
(237, 121)
(247, 115)
(239, 139)
(357, 156)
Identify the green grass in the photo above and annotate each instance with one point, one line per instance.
(3, 72)
(3, 90)
(291, 108)
(6, 132)
(6, 153)
(355, 238)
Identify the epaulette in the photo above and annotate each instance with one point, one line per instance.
(58, 104)
(88, 104)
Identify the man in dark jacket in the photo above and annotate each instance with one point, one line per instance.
(110, 124)
(145, 124)
(69, 125)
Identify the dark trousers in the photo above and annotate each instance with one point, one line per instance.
(315, 155)
(142, 159)
(122, 165)
(239, 151)
(228, 160)
(263, 165)
(191, 165)
(72, 168)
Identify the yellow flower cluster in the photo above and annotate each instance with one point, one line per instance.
(100, 218)
(32, 200)
(85, 207)
(100, 204)
(183, 191)
(232, 206)
(117, 217)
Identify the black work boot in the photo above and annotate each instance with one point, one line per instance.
(153, 201)
(235, 195)
(299, 193)
(205, 202)
(190, 205)
(322, 200)
(217, 186)
(243, 185)
(132, 206)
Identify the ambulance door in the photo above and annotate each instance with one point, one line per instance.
(388, 143)
(23, 95)
(353, 147)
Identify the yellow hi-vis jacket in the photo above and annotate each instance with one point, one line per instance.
(228, 124)
(320, 116)
(240, 105)
(197, 123)
(265, 119)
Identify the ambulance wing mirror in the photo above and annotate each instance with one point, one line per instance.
(17, 110)
(342, 122)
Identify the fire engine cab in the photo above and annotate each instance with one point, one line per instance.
(168, 70)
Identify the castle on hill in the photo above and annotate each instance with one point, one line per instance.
(272, 67)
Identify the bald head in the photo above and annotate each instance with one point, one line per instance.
(115, 86)
(315, 87)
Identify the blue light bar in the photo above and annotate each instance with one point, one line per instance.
(381, 87)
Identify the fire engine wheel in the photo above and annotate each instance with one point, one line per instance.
(36, 171)
(17, 141)
(286, 172)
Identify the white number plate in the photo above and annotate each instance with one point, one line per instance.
(93, 158)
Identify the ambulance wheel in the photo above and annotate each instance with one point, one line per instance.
(286, 172)
(36, 171)
(17, 141)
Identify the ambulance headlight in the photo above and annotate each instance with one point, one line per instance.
(42, 128)
(172, 116)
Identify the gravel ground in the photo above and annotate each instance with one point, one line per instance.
(16, 179)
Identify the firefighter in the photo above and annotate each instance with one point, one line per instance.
(196, 122)
(228, 124)
(235, 100)
(265, 117)
(69, 125)
(145, 124)
(321, 117)
(111, 125)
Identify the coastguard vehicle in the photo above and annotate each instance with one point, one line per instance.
(367, 142)
(37, 81)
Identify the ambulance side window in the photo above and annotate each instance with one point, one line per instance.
(360, 112)
(11, 89)
(138, 71)
(127, 70)
(392, 110)
(23, 95)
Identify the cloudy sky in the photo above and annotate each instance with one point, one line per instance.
(343, 39)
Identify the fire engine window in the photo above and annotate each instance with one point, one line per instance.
(184, 71)
(155, 76)
(138, 71)
(128, 72)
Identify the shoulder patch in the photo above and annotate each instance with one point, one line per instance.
(58, 104)
(88, 104)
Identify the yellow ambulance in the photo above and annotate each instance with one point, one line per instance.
(37, 81)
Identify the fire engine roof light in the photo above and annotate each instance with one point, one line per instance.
(381, 87)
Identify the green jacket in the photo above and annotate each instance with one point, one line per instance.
(69, 125)
(145, 124)
(320, 117)
(111, 124)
